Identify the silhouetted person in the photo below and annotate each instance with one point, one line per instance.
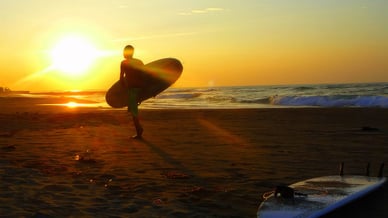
(132, 77)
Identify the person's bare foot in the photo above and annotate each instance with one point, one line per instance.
(137, 137)
(139, 134)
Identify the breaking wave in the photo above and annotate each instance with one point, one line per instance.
(331, 101)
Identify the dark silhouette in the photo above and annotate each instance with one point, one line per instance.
(132, 77)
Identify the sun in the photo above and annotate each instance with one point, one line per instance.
(73, 55)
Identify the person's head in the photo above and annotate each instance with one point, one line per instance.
(128, 51)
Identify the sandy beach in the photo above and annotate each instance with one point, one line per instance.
(74, 162)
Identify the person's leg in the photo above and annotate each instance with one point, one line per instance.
(139, 128)
(133, 108)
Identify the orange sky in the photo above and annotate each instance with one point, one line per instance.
(61, 45)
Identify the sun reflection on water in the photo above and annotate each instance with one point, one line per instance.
(72, 104)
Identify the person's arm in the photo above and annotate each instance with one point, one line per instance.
(122, 73)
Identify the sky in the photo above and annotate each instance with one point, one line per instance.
(77, 45)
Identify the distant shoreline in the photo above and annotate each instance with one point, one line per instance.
(14, 92)
(7, 91)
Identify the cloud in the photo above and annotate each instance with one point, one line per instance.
(168, 35)
(214, 9)
(198, 11)
(201, 11)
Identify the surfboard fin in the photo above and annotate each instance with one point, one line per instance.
(341, 173)
(367, 173)
(284, 192)
(381, 171)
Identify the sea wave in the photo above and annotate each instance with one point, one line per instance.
(331, 101)
(179, 95)
(256, 101)
(304, 88)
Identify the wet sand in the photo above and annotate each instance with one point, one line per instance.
(63, 162)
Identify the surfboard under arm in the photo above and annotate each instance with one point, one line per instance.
(158, 76)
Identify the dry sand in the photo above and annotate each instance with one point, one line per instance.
(58, 162)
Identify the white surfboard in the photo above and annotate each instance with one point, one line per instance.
(318, 196)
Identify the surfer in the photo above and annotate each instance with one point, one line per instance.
(132, 77)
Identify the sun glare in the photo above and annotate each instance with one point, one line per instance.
(73, 55)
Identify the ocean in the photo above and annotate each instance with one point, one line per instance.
(233, 97)
(330, 95)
